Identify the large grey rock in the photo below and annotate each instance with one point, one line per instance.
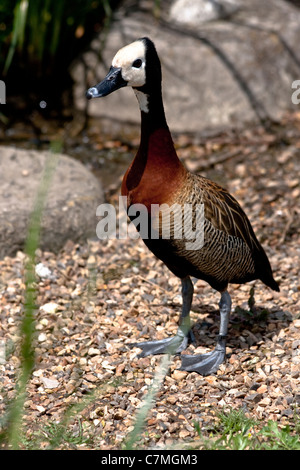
(223, 73)
(70, 210)
(192, 13)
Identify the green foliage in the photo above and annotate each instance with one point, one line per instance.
(39, 39)
(43, 30)
(235, 431)
(280, 439)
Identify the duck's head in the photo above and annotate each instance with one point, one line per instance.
(136, 65)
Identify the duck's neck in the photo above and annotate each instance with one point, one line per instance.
(156, 154)
(152, 112)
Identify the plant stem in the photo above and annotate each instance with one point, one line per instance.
(27, 326)
(134, 436)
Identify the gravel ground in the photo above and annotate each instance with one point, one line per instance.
(97, 298)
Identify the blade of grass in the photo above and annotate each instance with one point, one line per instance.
(57, 24)
(20, 16)
(134, 436)
(27, 326)
(39, 21)
(158, 379)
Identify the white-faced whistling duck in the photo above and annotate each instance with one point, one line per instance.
(230, 251)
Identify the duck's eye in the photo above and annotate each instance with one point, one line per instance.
(137, 63)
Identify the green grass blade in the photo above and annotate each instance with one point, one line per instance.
(58, 14)
(20, 16)
(134, 436)
(27, 326)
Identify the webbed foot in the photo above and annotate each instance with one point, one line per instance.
(173, 345)
(205, 364)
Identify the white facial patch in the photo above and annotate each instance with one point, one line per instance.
(125, 58)
(143, 100)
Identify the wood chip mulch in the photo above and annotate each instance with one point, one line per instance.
(94, 299)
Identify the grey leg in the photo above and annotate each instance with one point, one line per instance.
(187, 290)
(179, 342)
(207, 364)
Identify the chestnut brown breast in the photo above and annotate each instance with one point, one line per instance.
(156, 174)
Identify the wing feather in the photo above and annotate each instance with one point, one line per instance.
(225, 213)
